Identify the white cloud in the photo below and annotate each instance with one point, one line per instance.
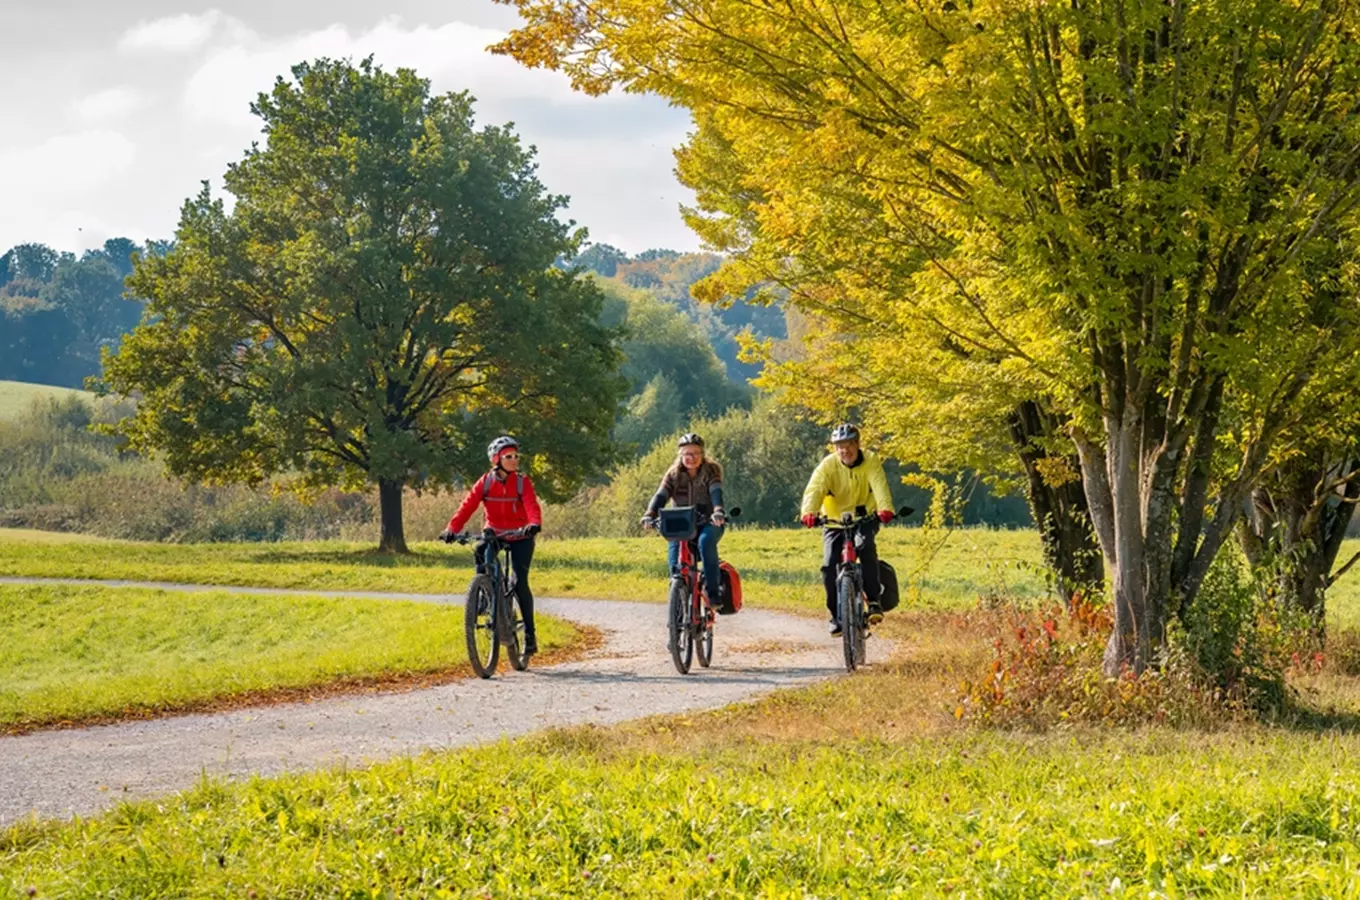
(65, 163)
(611, 155)
(111, 103)
(452, 56)
(46, 185)
(177, 34)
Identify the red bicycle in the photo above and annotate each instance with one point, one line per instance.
(690, 612)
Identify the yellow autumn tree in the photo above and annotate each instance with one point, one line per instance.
(1109, 209)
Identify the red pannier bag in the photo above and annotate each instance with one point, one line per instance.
(729, 599)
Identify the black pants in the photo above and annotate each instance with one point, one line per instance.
(833, 542)
(521, 556)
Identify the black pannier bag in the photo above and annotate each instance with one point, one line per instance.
(887, 577)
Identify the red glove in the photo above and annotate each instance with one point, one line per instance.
(885, 516)
(810, 520)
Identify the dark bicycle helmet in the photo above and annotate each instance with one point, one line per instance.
(844, 432)
(689, 437)
(504, 442)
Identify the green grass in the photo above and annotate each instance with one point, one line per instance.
(566, 815)
(780, 568)
(87, 652)
(858, 786)
(17, 396)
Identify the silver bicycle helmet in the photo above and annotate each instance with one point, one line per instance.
(504, 442)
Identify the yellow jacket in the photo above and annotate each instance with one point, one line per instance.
(837, 488)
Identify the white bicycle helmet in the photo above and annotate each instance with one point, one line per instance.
(844, 432)
(504, 442)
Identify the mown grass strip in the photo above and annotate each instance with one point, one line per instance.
(780, 567)
(972, 815)
(83, 653)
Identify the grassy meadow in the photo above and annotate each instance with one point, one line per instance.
(17, 397)
(781, 566)
(91, 653)
(866, 785)
(860, 786)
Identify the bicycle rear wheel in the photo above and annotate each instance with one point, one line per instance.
(847, 595)
(703, 632)
(513, 638)
(681, 634)
(479, 626)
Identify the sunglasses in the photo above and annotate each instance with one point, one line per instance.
(509, 456)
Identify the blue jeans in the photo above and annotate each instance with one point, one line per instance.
(709, 536)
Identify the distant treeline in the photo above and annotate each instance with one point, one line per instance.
(57, 310)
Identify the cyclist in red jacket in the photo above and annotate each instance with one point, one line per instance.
(510, 505)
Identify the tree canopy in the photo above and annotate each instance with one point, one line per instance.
(1109, 210)
(379, 302)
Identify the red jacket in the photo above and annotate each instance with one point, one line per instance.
(505, 510)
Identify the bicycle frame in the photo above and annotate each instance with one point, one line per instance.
(852, 612)
(689, 576)
(690, 610)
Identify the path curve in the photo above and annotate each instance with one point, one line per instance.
(87, 770)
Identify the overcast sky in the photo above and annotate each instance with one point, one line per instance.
(114, 112)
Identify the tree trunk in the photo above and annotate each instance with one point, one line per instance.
(1299, 519)
(393, 538)
(1130, 645)
(1058, 506)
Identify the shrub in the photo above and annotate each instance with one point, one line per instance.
(1240, 637)
(1226, 657)
(1045, 670)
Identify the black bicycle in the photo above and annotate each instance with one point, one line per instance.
(852, 609)
(491, 617)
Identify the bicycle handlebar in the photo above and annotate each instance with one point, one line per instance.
(464, 537)
(650, 523)
(849, 519)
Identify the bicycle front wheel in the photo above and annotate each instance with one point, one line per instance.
(681, 634)
(479, 626)
(847, 596)
(513, 638)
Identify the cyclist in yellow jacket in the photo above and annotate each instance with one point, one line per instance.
(848, 480)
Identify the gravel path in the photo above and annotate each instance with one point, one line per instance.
(84, 771)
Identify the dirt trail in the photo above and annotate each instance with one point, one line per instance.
(84, 771)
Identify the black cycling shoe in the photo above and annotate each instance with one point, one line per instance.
(834, 627)
(530, 647)
(875, 614)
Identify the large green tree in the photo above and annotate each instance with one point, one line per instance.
(379, 301)
(1109, 208)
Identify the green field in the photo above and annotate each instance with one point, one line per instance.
(636, 812)
(781, 566)
(17, 396)
(80, 653)
(858, 786)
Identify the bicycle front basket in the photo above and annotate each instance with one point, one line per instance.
(679, 523)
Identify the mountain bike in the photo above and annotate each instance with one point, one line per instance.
(491, 616)
(690, 615)
(852, 609)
